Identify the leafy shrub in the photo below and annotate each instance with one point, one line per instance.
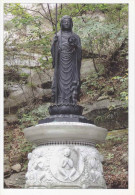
(101, 40)
(30, 118)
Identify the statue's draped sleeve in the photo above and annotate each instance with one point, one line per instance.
(53, 53)
(79, 53)
(55, 48)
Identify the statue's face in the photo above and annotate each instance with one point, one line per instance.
(66, 24)
(67, 152)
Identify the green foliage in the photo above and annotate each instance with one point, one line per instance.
(99, 119)
(22, 17)
(100, 37)
(124, 96)
(112, 107)
(31, 85)
(30, 118)
(123, 89)
(24, 75)
(117, 13)
(27, 119)
(95, 34)
(25, 165)
(90, 85)
(41, 111)
(27, 147)
(110, 156)
(29, 27)
(80, 9)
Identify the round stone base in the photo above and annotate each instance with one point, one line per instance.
(65, 166)
(65, 133)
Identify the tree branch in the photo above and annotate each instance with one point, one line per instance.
(51, 16)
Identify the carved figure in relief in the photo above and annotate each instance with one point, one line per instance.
(96, 167)
(40, 171)
(67, 166)
(30, 176)
(35, 172)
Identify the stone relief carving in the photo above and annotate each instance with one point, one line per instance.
(64, 165)
(67, 168)
(96, 169)
(36, 172)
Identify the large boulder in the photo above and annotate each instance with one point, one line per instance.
(11, 74)
(44, 94)
(25, 96)
(38, 79)
(108, 114)
(14, 101)
(44, 79)
(16, 180)
(87, 68)
(10, 118)
(16, 167)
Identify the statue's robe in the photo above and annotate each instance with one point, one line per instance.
(67, 69)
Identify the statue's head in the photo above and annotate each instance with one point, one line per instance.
(66, 23)
(67, 152)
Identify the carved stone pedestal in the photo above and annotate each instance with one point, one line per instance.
(65, 156)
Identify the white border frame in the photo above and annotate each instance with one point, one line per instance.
(131, 188)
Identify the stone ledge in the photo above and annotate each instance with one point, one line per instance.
(65, 132)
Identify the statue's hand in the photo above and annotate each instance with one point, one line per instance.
(74, 45)
(55, 38)
(72, 41)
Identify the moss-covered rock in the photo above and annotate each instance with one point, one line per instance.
(107, 114)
